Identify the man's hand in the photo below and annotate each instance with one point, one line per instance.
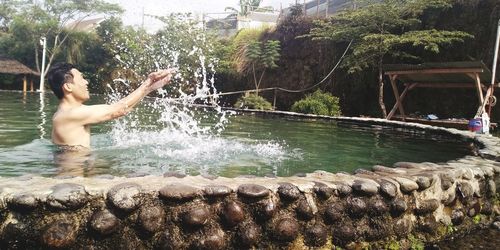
(159, 79)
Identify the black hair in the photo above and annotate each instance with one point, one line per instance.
(58, 75)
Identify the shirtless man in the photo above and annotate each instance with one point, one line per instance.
(72, 120)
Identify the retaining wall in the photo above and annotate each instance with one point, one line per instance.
(399, 207)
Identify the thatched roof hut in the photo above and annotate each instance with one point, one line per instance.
(11, 66)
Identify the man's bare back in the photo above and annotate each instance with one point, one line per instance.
(66, 132)
(71, 123)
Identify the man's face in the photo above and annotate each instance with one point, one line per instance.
(80, 86)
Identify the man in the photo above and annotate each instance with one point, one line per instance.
(72, 120)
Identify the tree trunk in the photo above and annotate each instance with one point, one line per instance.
(381, 91)
(55, 50)
(255, 80)
(36, 59)
(260, 79)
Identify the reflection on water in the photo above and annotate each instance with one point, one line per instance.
(43, 115)
(247, 145)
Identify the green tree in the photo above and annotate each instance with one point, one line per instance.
(8, 9)
(318, 103)
(253, 101)
(180, 43)
(53, 19)
(260, 56)
(382, 29)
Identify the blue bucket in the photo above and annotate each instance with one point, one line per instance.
(475, 125)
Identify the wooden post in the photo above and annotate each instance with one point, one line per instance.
(31, 85)
(274, 101)
(477, 80)
(407, 88)
(396, 95)
(25, 84)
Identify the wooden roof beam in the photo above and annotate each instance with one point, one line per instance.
(441, 85)
(435, 71)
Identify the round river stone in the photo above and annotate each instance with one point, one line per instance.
(152, 219)
(344, 233)
(465, 189)
(446, 180)
(365, 187)
(399, 206)
(388, 189)
(179, 192)
(316, 235)
(323, 190)
(457, 217)
(288, 192)
(406, 185)
(253, 191)
(215, 191)
(267, 209)
(233, 213)
(343, 189)
(427, 206)
(60, 234)
(286, 229)
(23, 202)
(334, 212)
(378, 207)
(67, 196)
(125, 196)
(356, 207)
(213, 240)
(197, 217)
(104, 222)
(423, 182)
(249, 234)
(304, 210)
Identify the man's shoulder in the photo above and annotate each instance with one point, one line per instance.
(69, 112)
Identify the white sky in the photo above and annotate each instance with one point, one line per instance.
(134, 8)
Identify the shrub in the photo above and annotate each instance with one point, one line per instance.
(253, 101)
(318, 103)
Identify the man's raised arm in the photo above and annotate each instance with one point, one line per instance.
(100, 113)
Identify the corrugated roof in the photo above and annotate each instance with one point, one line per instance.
(439, 73)
(11, 66)
(85, 25)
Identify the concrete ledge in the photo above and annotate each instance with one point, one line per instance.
(402, 206)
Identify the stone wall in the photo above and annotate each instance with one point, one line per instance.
(399, 207)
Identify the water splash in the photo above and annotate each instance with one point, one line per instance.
(182, 125)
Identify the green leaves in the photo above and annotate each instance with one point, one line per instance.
(28, 22)
(318, 103)
(263, 54)
(254, 51)
(431, 40)
(253, 101)
(385, 28)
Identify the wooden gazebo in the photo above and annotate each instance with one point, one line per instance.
(13, 67)
(473, 75)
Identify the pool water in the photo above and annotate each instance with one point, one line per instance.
(248, 145)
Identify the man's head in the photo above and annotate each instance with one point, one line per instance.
(64, 79)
